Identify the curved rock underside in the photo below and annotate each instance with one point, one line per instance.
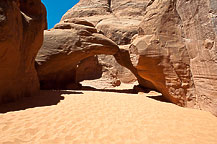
(68, 54)
(117, 20)
(173, 43)
(21, 34)
(64, 47)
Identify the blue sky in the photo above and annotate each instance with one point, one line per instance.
(56, 9)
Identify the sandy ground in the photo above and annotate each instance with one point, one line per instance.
(87, 117)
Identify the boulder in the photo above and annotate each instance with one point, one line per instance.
(21, 34)
(176, 51)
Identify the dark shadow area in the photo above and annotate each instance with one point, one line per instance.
(53, 97)
(127, 91)
(160, 98)
(43, 98)
(135, 90)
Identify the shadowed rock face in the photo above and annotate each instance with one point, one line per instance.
(21, 34)
(177, 51)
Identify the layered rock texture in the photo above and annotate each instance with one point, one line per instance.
(118, 20)
(176, 48)
(21, 34)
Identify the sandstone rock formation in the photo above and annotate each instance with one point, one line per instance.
(119, 21)
(61, 58)
(68, 56)
(172, 45)
(176, 48)
(21, 34)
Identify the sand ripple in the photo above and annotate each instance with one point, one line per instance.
(108, 118)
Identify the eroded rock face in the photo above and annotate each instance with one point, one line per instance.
(199, 24)
(68, 56)
(117, 20)
(61, 60)
(21, 34)
(172, 45)
(177, 48)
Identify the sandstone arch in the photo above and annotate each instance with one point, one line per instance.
(174, 42)
(67, 44)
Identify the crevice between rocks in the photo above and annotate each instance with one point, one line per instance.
(109, 6)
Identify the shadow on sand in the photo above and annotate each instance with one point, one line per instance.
(127, 91)
(135, 90)
(53, 97)
(44, 98)
(159, 98)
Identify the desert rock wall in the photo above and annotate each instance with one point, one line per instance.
(21, 24)
(177, 51)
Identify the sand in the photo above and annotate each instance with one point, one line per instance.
(89, 117)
